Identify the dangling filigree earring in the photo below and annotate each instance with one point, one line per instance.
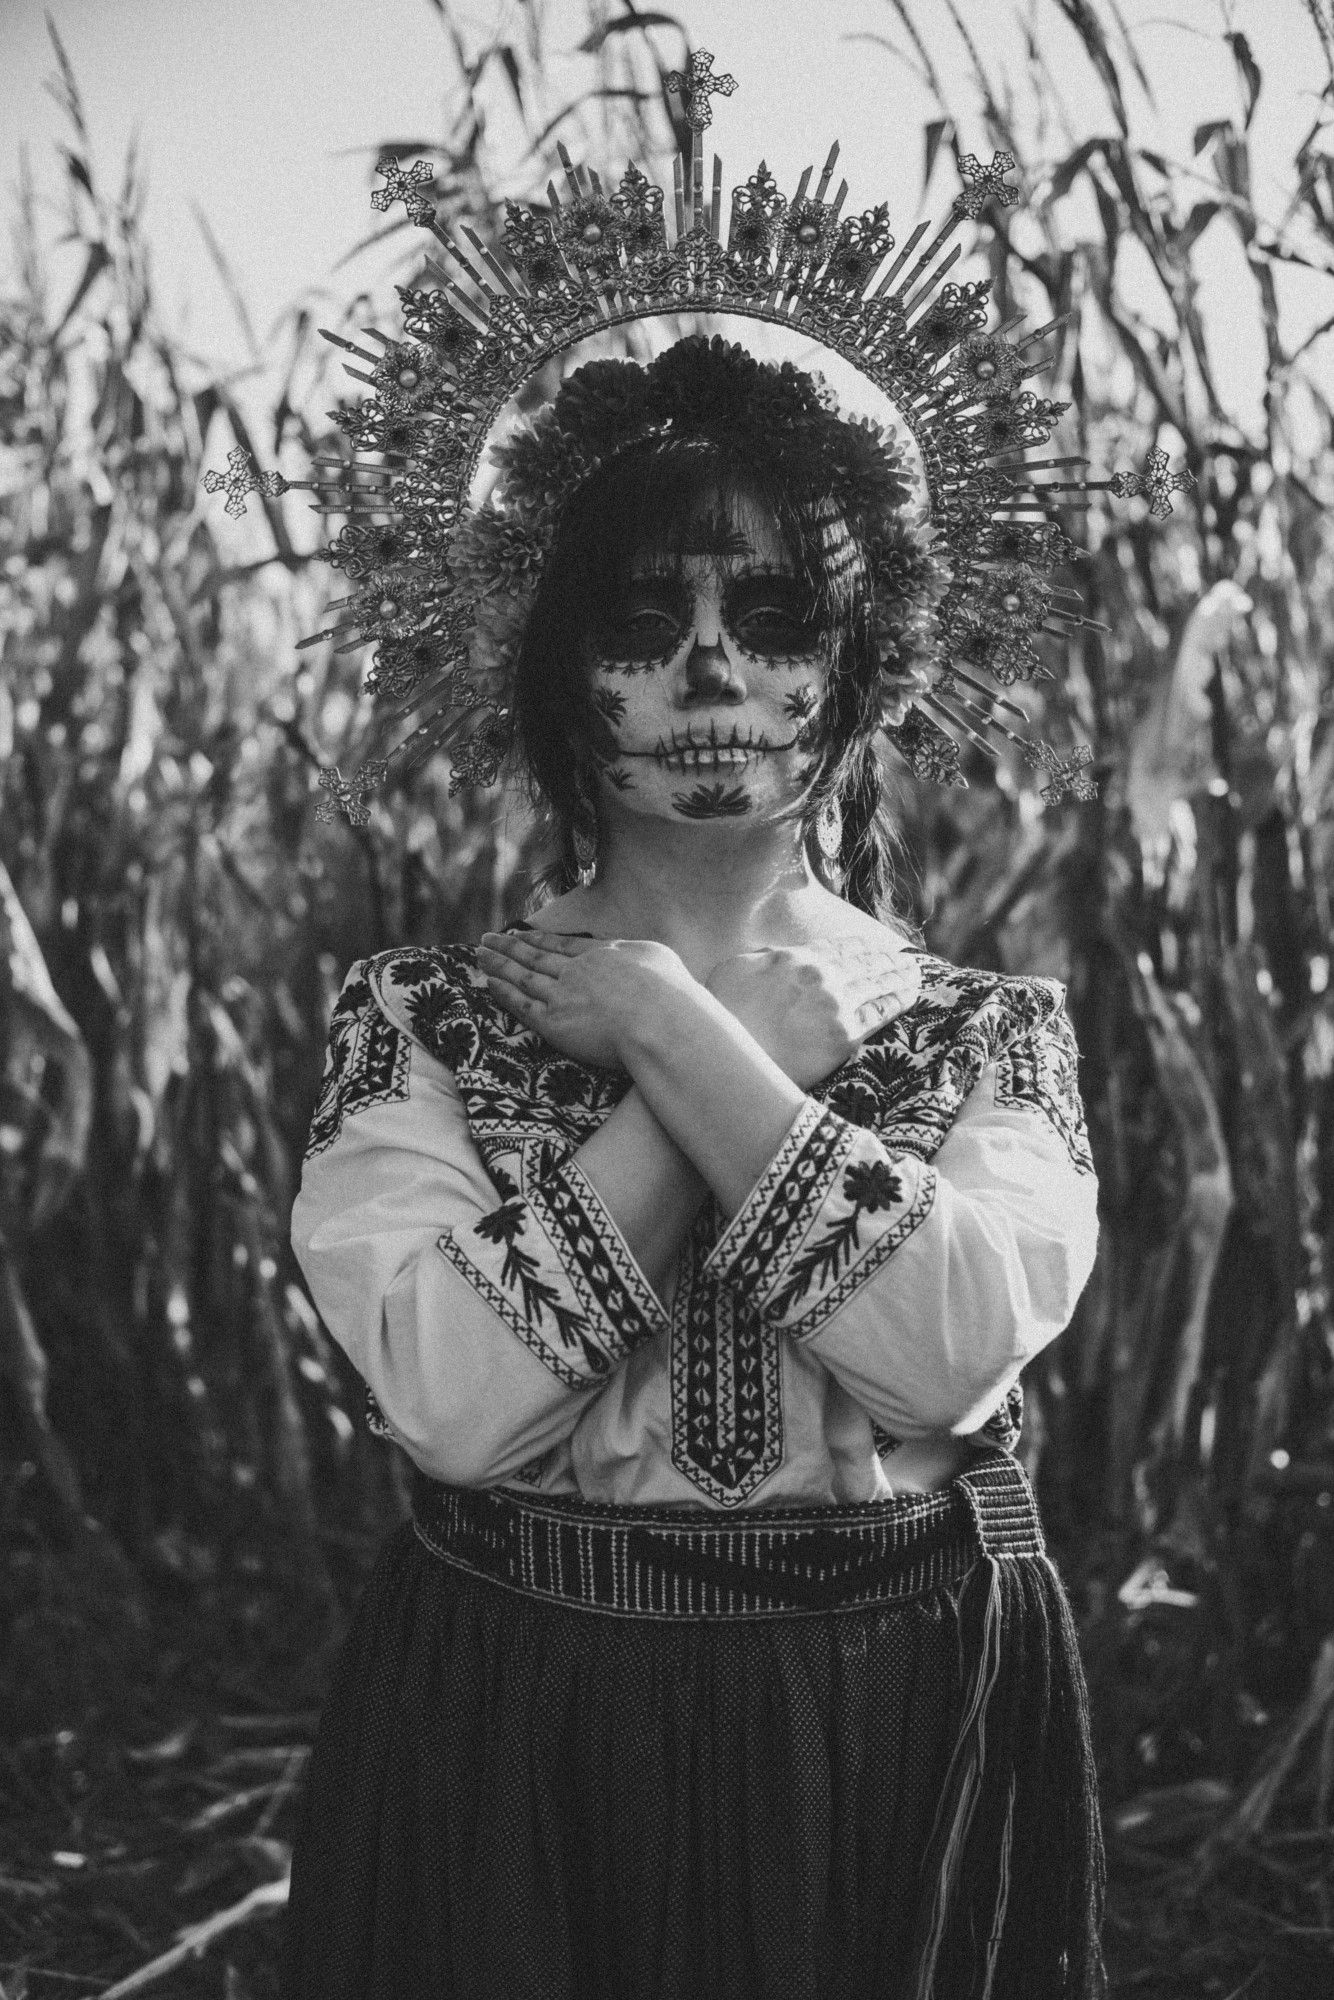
(829, 831)
(584, 836)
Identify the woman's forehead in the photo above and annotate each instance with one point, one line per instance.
(722, 526)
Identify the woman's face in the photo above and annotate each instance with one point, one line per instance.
(710, 674)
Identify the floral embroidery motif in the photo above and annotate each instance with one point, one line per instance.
(524, 1298)
(368, 1061)
(814, 1234)
(872, 1185)
(908, 1083)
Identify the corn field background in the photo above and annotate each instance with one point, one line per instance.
(189, 1499)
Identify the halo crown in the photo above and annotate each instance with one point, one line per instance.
(593, 259)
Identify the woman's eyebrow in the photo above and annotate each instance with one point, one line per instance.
(714, 535)
(763, 571)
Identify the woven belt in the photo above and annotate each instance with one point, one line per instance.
(679, 1562)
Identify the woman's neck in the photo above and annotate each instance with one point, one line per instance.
(706, 892)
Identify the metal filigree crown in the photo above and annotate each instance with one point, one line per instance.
(593, 259)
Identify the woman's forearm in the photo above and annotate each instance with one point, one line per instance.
(722, 1102)
(648, 1186)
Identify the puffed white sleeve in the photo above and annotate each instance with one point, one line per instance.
(482, 1322)
(925, 1286)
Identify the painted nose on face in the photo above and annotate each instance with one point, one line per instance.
(710, 675)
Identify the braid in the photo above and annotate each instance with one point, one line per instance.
(865, 855)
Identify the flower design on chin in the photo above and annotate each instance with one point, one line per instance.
(712, 802)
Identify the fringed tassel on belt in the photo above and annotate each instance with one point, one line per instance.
(1018, 1822)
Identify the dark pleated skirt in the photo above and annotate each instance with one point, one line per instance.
(577, 1752)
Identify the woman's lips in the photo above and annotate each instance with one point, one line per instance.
(687, 751)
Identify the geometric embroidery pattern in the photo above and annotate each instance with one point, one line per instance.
(726, 1384)
(615, 1297)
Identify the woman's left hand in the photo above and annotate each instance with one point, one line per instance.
(574, 991)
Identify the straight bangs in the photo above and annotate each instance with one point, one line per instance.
(665, 502)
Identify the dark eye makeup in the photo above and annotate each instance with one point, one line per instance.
(648, 625)
(769, 613)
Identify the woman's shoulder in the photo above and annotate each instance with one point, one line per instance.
(915, 1074)
(1007, 1004)
(428, 993)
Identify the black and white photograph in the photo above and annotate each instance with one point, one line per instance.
(666, 1029)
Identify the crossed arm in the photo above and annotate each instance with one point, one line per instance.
(719, 1068)
(921, 1288)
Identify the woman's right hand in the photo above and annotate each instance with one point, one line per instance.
(810, 1012)
(576, 992)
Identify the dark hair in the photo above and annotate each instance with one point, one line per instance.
(648, 495)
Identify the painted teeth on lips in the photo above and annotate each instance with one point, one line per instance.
(704, 756)
(689, 752)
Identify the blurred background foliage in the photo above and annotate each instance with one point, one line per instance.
(188, 1494)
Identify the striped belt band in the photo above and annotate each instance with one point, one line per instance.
(683, 1562)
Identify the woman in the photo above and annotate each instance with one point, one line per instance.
(692, 1240)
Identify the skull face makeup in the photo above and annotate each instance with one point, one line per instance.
(709, 672)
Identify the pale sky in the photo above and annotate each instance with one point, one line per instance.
(265, 115)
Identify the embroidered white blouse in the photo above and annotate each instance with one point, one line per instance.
(855, 1330)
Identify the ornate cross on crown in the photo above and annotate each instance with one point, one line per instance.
(413, 188)
(696, 88)
(242, 477)
(1156, 483)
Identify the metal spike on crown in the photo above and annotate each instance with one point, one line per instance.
(595, 257)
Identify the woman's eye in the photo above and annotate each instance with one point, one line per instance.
(645, 633)
(776, 629)
(772, 615)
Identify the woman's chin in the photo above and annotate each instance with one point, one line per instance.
(712, 795)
